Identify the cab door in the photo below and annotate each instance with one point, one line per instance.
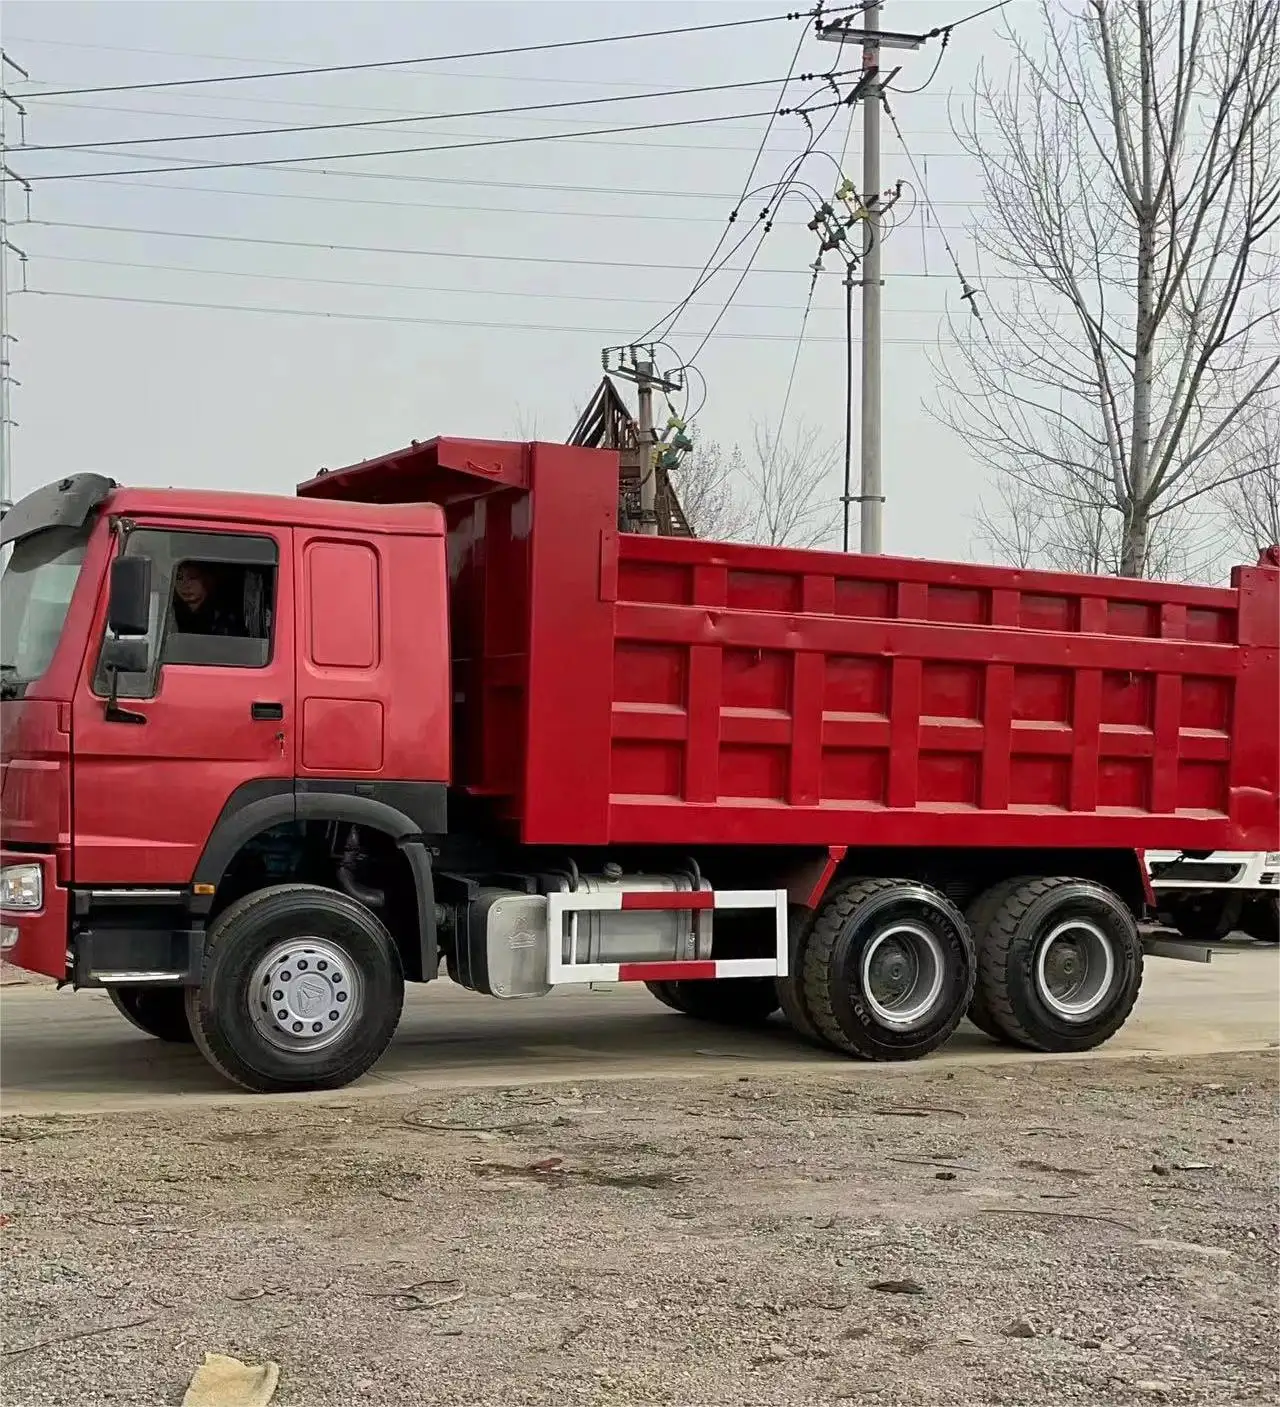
(212, 713)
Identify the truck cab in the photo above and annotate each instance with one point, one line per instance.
(259, 666)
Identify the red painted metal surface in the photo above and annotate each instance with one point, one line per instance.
(692, 971)
(613, 688)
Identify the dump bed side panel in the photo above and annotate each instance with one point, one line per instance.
(773, 696)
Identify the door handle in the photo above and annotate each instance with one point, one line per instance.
(267, 712)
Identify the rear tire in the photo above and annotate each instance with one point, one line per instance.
(889, 969)
(790, 989)
(1061, 964)
(156, 1011)
(979, 916)
(302, 990)
(728, 1001)
(1261, 919)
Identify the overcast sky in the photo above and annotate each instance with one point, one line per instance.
(486, 281)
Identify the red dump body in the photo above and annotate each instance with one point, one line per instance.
(616, 688)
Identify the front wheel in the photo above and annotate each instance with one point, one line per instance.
(302, 989)
(157, 1011)
(889, 969)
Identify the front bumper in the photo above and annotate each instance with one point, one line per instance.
(36, 939)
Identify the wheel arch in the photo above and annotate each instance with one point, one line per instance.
(256, 808)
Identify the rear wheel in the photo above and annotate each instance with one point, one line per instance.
(979, 915)
(1261, 919)
(302, 989)
(731, 1001)
(790, 989)
(1061, 964)
(157, 1011)
(889, 969)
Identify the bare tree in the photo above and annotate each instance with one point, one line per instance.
(1130, 174)
(1025, 527)
(790, 487)
(782, 494)
(1251, 502)
(524, 423)
(710, 485)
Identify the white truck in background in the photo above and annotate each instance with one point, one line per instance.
(1208, 896)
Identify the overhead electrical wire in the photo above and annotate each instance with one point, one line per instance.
(399, 286)
(281, 123)
(779, 191)
(278, 161)
(503, 52)
(518, 110)
(276, 243)
(668, 323)
(769, 214)
(659, 216)
(463, 323)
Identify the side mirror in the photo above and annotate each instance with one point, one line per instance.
(129, 602)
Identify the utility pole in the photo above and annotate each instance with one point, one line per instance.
(872, 515)
(639, 364)
(644, 426)
(7, 247)
(870, 89)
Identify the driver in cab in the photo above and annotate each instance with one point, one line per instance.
(196, 610)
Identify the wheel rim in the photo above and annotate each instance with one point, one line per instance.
(903, 970)
(305, 994)
(1075, 970)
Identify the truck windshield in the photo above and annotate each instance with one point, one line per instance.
(35, 595)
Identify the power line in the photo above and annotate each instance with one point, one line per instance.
(188, 116)
(446, 253)
(374, 248)
(265, 276)
(507, 210)
(276, 162)
(669, 322)
(521, 110)
(466, 323)
(506, 51)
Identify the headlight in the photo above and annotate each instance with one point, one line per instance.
(21, 887)
(1273, 859)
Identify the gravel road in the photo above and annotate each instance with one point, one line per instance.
(1042, 1234)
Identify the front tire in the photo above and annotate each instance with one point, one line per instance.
(1060, 965)
(889, 969)
(302, 990)
(156, 1011)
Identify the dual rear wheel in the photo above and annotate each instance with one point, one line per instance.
(886, 969)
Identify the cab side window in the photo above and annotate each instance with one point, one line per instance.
(212, 603)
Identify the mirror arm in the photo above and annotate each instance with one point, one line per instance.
(113, 713)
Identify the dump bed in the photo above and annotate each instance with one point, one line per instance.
(616, 688)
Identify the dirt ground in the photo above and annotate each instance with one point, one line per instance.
(1040, 1234)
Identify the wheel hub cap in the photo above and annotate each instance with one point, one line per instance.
(304, 994)
(902, 975)
(1075, 970)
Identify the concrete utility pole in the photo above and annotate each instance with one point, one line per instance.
(872, 514)
(639, 364)
(644, 426)
(872, 38)
(7, 247)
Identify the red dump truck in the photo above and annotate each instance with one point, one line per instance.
(266, 759)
